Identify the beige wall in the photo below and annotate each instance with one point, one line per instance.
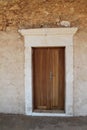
(12, 94)
(80, 73)
(11, 73)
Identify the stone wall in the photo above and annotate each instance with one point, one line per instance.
(19, 14)
(16, 14)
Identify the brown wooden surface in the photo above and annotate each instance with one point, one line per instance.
(48, 91)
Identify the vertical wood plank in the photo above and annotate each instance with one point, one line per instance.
(62, 79)
(41, 79)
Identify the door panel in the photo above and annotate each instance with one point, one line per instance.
(41, 78)
(48, 78)
(61, 79)
(55, 71)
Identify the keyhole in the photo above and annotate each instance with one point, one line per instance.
(51, 75)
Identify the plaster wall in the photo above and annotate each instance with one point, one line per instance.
(11, 73)
(80, 73)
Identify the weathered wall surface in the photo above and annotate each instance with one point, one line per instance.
(42, 13)
(80, 73)
(11, 73)
(18, 14)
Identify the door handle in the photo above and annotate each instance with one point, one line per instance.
(51, 75)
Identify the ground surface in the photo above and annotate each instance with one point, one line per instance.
(20, 122)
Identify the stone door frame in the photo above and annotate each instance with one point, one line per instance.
(49, 37)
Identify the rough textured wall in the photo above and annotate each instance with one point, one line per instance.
(42, 13)
(18, 14)
(80, 73)
(11, 73)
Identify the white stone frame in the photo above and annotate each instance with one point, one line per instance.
(49, 37)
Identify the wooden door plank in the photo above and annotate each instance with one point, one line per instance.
(36, 71)
(57, 64)
(50, 83)
(41, 78)
(62, 79)
(55, 77)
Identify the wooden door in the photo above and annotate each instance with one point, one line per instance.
(48, 78)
